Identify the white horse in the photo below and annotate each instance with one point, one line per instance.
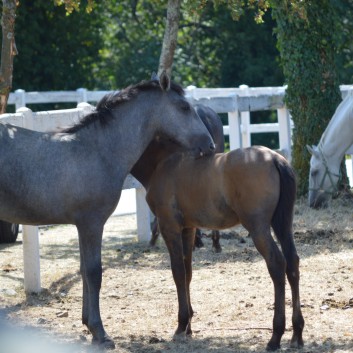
(327, 156)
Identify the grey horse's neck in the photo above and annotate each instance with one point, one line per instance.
(129, 130)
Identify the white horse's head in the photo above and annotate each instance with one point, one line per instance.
(323, 178)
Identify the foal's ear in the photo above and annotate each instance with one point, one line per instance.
(164, 81)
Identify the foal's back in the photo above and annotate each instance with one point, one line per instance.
(219, 191)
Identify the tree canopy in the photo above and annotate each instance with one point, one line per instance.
(119, 42)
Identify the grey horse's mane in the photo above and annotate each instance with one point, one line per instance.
(102, 113)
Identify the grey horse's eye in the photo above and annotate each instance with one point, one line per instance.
(314, 173)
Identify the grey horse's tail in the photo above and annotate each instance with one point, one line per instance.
(282, 219)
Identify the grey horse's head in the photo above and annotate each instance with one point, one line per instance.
(323, 179)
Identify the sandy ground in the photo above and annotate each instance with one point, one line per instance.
(232, 293)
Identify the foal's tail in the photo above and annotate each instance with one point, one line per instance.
(282, 219)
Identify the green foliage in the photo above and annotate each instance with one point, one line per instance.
(56, 51)
(305, 35)
(74, 5)
(132, 40)
(213, 50)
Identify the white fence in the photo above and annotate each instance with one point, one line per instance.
(238, 103)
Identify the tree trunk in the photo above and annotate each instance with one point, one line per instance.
(170, 37)
(306, 42)
(8, 50)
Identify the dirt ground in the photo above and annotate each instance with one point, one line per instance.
(232, 293)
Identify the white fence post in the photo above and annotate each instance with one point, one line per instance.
(143, 216)
(245, 122)
(20, 98)
(31, 259)
(245, 129)
(285, 141)
(234, 130)
(83, 94)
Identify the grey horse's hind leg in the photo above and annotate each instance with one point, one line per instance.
(90, 238)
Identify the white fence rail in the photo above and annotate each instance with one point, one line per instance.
(238, 103)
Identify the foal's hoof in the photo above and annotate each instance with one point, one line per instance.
(182, 336)
(106, 344)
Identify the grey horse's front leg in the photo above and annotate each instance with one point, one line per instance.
(90, 238)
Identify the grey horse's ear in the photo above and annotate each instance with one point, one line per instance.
(154, 77)
(164, 81)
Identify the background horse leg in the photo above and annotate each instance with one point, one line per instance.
(290, 253)
(188, 237)
(276, 266)
(215, 235)
(174, 243)
(90, 238)
(198, 239)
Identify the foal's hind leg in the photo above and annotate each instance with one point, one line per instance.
(276, 265)
(290, 253)
(90, 238)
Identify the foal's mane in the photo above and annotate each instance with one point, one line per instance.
(102, 113)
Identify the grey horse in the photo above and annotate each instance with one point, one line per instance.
(75, 176)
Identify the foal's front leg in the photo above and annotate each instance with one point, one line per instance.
(90, 239)
(173, 239)
(188, 238)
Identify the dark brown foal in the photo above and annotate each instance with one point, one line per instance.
(254, 187)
